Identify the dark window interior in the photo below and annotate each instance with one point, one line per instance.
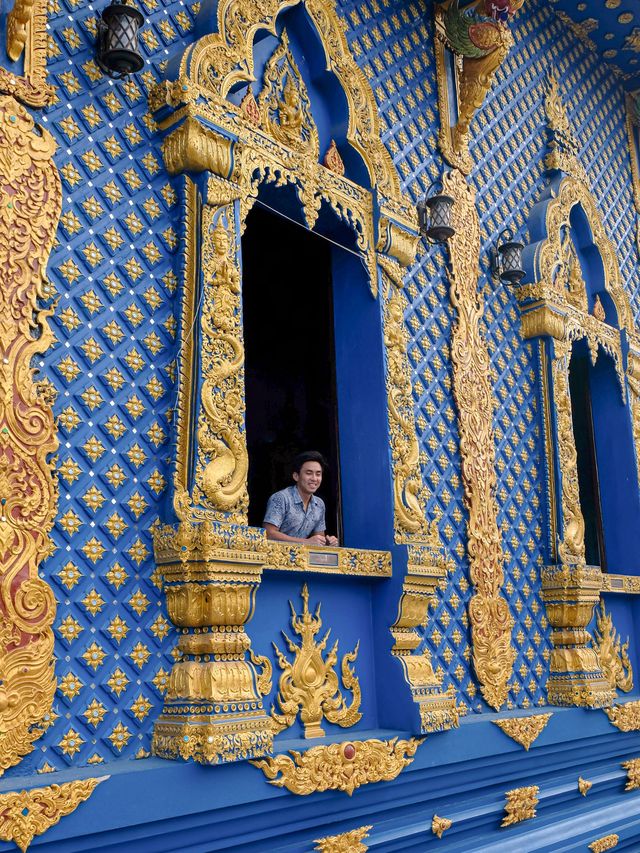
(289, 358)
(587, 463)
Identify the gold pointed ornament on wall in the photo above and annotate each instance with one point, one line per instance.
(309, 684)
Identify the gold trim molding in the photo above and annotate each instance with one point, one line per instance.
(27, 814)
(524, 730)
(339, 766)
(355, 562)
(32, 195)
(346, 842)
(491, 621)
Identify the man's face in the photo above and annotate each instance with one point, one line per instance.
(309, 477)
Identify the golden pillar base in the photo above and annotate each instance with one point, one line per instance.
(438, 709)
(213, 710)
(570, 593)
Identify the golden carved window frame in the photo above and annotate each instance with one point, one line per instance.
(211, 136)
(547, 314)
(208, 133)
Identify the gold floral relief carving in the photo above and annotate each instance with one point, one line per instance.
(584, 786)
(491, 621)
(346, 842)
(27, 814)
(608, 842)
(612, 652)
(284, 104)
(633, 773)
(524, 730)
(309, 684)
(220, 60)
(625, 717)
(520, 805)
(339, 766)
(29, 215)
(26, 32)
(222, 464)
(480, 45)
(439, 825)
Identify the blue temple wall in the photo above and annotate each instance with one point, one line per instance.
(115, 269)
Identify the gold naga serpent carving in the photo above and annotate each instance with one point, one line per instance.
(223, 478)
(491, 621)
(310, 684)
(410, 494)
(28, 220)
(480, 43)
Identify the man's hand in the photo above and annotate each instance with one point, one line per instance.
(317, 539)
(332, 540)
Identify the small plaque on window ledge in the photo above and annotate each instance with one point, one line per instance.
(323, 558)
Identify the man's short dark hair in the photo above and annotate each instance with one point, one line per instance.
(308, 456)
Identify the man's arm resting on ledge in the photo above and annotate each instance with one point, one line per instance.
(314, 539)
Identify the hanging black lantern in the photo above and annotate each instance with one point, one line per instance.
(507, 261)
(434, 217)
(117, 51)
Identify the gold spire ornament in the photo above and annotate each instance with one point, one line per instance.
(309, 684)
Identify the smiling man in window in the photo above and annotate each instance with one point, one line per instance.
(295, 514)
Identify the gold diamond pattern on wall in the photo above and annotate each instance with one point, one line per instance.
(113, 364)
(113, 273)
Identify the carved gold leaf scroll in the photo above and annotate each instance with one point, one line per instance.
(309, 684)
(31, 192)
(625, 717)
(25, 814)
(346, 842)
(491, 621)
(612, 652)
(339, 766)
(524, 730)
(584, 786)
(520, 805)
(608, 842)
(440, 825)
(633, 773)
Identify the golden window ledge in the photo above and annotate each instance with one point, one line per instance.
(621, 583)
(286, 556)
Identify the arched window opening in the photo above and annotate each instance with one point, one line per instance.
(587, 463)
(290, 381)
